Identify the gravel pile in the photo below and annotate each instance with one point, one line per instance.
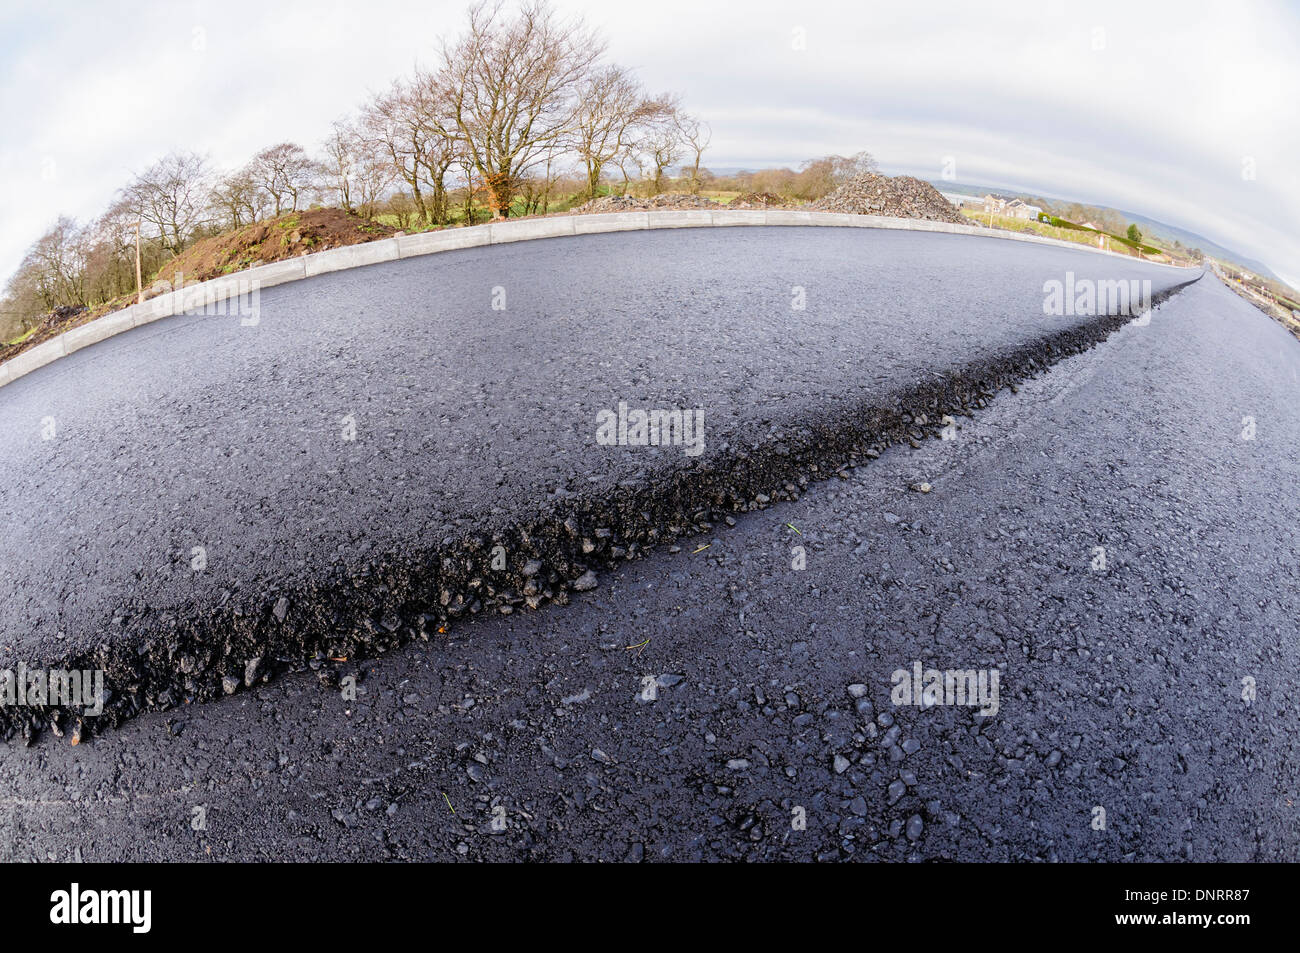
(899, 197)
(758, 200)
(633, 203)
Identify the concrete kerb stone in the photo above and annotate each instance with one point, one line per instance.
(738, 216)
(163, 306)
(839, 218)
(448, 239)
(426, 243)
(501, 232)
(610, 222)
(690, 218)
(97, 330)
(785, 216)
(37, 357)
(275, 273)
(352, 256)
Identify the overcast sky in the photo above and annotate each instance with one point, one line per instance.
(1164, 109)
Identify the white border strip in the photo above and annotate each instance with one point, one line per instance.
(495, 233)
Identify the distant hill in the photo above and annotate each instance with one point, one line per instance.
(1151, 227)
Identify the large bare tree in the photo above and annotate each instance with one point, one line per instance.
(694, 136)
(372, 176)
(612, 105)
(338, 167)
(407, 124)
(58, 263)
(286, 174)
(513, 87)
(171, 196)
(237, 199)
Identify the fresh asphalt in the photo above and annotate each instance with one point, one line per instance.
(757, 718)
(391, 409)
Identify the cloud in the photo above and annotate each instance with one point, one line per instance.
(1154, 108)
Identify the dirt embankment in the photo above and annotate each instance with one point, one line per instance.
(288, 236)
(291, 235)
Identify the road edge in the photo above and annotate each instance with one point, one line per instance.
(210, 293)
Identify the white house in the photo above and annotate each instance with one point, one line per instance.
(1014, 208)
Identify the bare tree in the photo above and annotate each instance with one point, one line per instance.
(22, 305)
(468, 175)
(612, 107)
(58, 262)
(400, 207)
(110, 254)
(338, 168)
(285, 173)
(171, 196)
(372, 176)
(777, 181)
(398, 122)
(237, 199)
(633, 160)
(819, 177)
(662, 147)
(512, 85)
(845, 169)
(434, 108)
(537, 187)
(695, 136)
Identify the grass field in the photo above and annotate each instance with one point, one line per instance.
(1078, 236)
(22, 337)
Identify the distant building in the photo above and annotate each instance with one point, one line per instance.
(1018, 209)
(1014, 208)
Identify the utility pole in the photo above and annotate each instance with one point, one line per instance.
(139, 283)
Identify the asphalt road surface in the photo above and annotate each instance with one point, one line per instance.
(757, 720)
(199, 503)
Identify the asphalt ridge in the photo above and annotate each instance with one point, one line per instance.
(1121, 689)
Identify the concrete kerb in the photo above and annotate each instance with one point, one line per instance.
(610, 222)
(528, 229)
(428, 243)
(38, 356)
(351, 256)
(97, 330)
(448, 239)
(690, 218)
(738, 216)
(276, 273)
